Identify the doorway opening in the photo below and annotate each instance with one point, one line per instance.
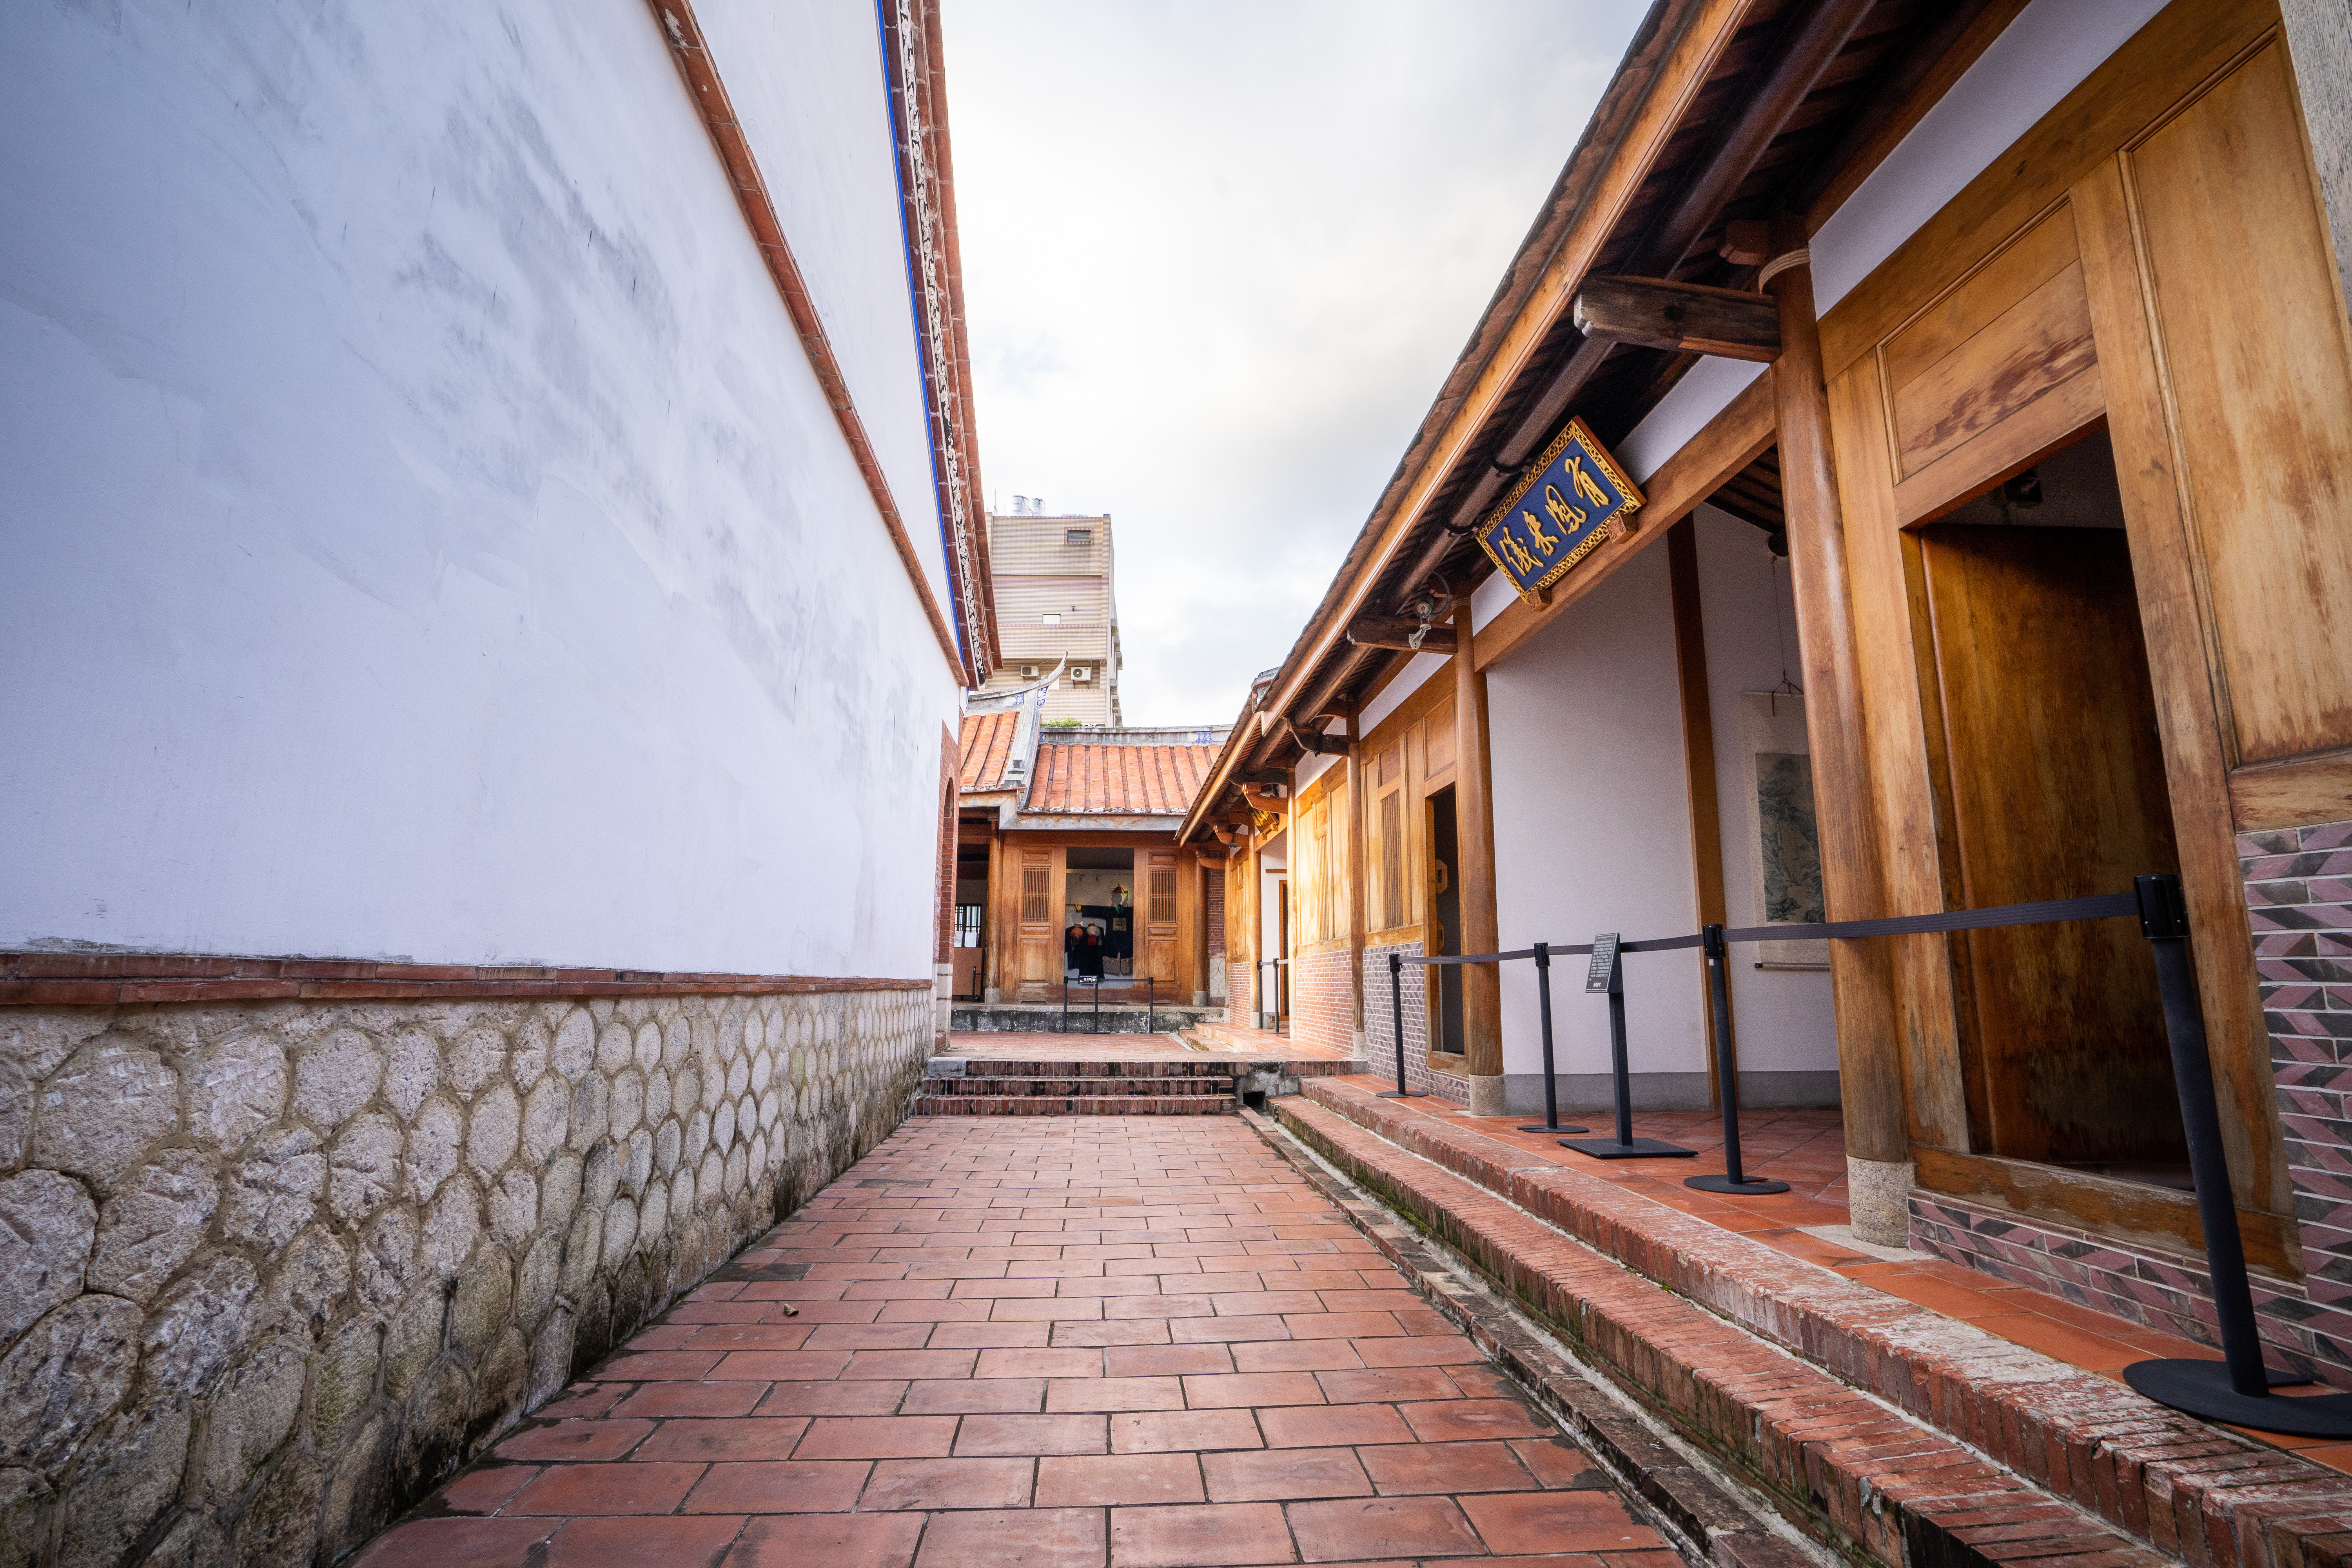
(1099, 913)
(1445, 1033)
(968, 952)
(2043, 734)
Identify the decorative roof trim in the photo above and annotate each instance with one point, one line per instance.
(913, 58)
(683, 33)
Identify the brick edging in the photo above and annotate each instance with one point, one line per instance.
(2161, 1476)
(1688, 1500)
(73, 979)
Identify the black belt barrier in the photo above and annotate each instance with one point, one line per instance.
(2235, 1389)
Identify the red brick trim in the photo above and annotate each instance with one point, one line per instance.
(68, 979)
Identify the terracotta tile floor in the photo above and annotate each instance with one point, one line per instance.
(1066, 1343)
(1256, 1044)
(1806, 1149)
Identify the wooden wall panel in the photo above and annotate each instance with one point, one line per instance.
(1037, 893)
(2188, 722)
(1999, 370)
(1894, 745)
(2251, 332)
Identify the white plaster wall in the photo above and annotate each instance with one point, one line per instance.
(1592, 825)
(809, 81)
(425, 535)
(1782, 1018)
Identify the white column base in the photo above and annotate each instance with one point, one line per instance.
(1487, 1094)
(1878, 1196)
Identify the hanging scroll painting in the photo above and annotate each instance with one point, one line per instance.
(1784, 854)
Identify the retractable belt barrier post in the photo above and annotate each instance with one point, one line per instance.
(1550, 1122)
(1396, 1017)
(1608, 975)
(2235, 1389)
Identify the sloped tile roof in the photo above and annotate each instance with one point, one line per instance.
(987, 746)
(1158, 781)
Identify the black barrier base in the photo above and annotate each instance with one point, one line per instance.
(1547, 1127)
(1753, 1187)
(1403, 1094)
(1633, 1149)
(2202, 1388)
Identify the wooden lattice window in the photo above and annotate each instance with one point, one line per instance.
(1035, 904)
(1164, 898)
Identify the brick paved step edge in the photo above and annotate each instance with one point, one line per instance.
(1086, 1086)
(1716, 1523)
(1766, 1376)
(1074, 1105)
(1220, 1065)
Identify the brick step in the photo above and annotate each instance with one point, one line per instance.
(1867, 1418)
(1080, 1088)
(1075, 1105)
(1148, 1068)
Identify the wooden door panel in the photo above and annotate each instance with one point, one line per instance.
(2251, 325)
(1162, 954)
(2058, 791)
(2028, 350)
(1038, 919)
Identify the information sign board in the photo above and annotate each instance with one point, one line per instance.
(1573, 496)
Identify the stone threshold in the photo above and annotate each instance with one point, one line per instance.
(1894, 1433)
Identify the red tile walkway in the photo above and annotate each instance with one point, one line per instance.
(1806, 1149)
(1082, 1342)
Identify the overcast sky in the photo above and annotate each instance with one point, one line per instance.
(1218, 258)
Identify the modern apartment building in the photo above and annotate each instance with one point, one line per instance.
(1056, 602)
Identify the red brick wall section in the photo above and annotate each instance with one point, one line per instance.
(1380, 1026)
(1213, 906)
(2299, 903)
(1322, 1002)
(1241, 993)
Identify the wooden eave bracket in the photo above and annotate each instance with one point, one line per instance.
(1396, 631)
(1681, 317)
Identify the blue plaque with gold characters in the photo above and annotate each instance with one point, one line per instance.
(1575, 497)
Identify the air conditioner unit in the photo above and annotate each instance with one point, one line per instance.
(1082, 673)
(1029, 672)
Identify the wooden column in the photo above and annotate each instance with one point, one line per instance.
(994, 948)
(1870, 1068)
(1698, 762)
(1473, 826)
(1354, 850)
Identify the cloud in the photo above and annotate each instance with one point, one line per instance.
(1218, 259)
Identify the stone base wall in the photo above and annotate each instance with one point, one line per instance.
(271, 1270)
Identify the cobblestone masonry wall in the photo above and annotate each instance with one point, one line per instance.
(1322, 1003)
(1380, 1028)
(269, 1270)
(2299, 903)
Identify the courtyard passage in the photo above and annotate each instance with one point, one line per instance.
(1057, 1342)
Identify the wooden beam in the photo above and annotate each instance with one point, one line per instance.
(1397, 632)
(1474, 824)
(1728, 443)
(1686, 317)
(1698, 766)
(1870, 1045)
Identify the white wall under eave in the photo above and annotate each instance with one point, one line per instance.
(1592, 825)
(1783, 1017)
(810, 83)
(425, 535)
